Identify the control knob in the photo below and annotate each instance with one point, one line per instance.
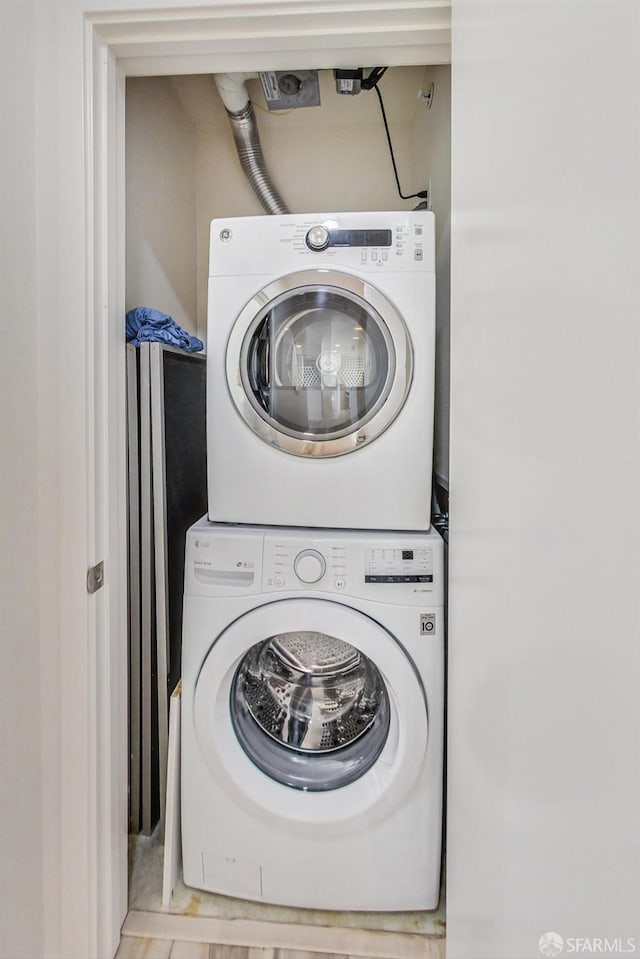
(309, 566)
(317, 239)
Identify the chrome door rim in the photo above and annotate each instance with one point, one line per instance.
(387, 407)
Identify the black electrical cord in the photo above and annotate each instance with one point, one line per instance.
(371, 83)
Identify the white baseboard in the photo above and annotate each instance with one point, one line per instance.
(254, 934)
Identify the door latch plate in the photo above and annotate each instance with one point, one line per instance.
(95, 577)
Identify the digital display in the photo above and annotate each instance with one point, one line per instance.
(359, 237)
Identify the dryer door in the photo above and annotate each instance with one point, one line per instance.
(319, 363)
(311, 696)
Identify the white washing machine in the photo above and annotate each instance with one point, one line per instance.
(312, 716)
(320, 370)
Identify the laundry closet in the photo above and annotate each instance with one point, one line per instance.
(543, 710)
(182, 170)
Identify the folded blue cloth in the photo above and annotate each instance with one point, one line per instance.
(147, 325)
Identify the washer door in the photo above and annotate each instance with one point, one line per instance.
(309, 696)
(309, 709)
(319, 363)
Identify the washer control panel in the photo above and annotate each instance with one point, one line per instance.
(403, 568)
(296, 565)
(389, 565)
(389, 569)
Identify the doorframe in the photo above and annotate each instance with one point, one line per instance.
(98, 47)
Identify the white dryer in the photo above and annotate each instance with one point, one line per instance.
(312, 716)
(320, 370)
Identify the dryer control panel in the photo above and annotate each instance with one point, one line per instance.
(408, 243)
(370, 243)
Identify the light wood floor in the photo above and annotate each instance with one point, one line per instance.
(133, 947)
(149, 935)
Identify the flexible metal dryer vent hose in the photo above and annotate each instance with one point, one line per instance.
(247, 140)
(236, 100)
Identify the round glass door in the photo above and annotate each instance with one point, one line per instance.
(310, 710)
(315, 368)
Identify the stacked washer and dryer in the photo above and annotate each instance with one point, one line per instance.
(313, 625)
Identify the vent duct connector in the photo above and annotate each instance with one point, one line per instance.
(235, 98)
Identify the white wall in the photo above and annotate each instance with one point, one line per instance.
(160, 203)
(544, 653)
(21, 902)
(431, 130)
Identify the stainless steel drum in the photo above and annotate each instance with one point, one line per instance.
(310, 710)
